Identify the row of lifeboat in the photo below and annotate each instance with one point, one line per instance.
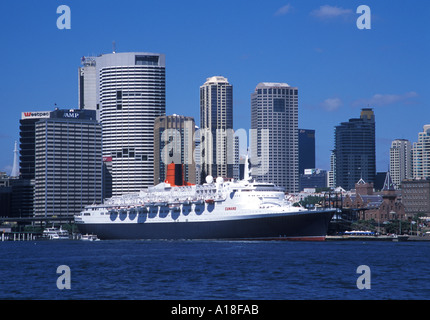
(143, 208)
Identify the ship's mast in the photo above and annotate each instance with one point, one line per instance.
(247, 173)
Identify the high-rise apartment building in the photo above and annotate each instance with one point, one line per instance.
(331, 175)
(68, 166)
(400, 161)
(355, 150)
(274, 136)
(421, 154)
(174, 143)
(216, 127)
(130, 92)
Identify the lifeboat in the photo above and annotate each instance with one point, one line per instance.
(175, 206)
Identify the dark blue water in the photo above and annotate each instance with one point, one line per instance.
(165, 270)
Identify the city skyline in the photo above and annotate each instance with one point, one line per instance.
(338, 68)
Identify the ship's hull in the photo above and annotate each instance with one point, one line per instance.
(311, 225)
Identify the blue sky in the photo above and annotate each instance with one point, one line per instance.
(314, 45)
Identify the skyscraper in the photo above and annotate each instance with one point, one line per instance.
(400, 161)
(274, 122)
(68, 170)
(331, 176)
(421, 154)
(23, 188)
(306, 150)
(174, 142)
(216, 127)
(354, 150)
(87, 85)
(27, 141)
(130, 94)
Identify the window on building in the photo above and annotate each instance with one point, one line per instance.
(146, 60)
(278, 105)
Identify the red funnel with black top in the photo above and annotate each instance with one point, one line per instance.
(175, 175)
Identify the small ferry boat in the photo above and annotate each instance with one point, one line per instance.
(55, 234)
(89, 237)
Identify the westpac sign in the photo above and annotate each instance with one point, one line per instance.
(35, 114)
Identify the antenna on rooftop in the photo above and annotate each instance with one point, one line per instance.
(113, 47)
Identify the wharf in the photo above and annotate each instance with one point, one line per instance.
(419, 238)
(19, 236)
(377, 238)
(361, 238)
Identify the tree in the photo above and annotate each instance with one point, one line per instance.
(310, 201)
(397, 226)
(364, 225)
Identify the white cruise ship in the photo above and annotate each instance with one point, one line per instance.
(215, 210)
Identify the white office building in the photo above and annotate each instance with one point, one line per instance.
(87, 85)
(216, 127)
(274, 136)
(421, 154)
(130, 94)
(400, 161)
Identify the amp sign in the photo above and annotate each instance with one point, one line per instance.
(74, 115)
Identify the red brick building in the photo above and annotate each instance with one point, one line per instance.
(382, 206)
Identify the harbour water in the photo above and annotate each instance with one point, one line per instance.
(226, 270)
